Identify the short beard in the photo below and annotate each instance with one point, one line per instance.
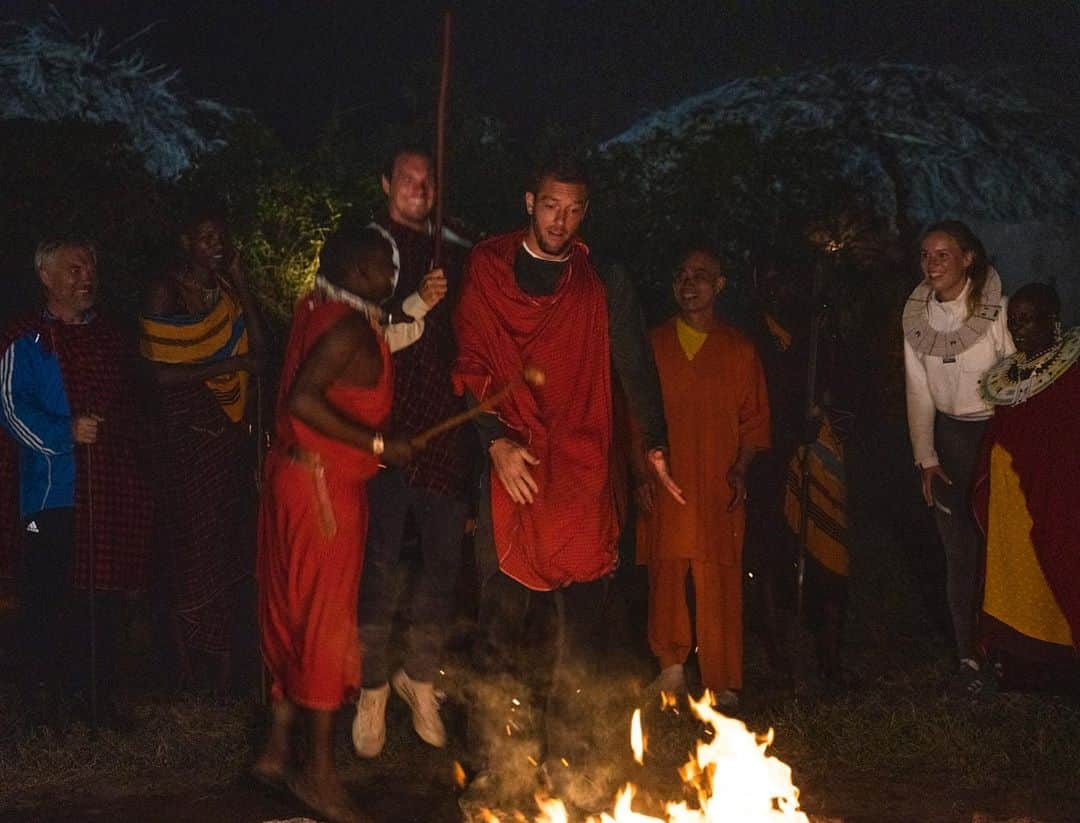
(559, 252)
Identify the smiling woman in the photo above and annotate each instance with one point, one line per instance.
(202, 339)
(954, 330)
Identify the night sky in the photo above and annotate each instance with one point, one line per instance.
(598, 65)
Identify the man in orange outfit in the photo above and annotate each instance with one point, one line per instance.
(717, 410)
(336, 389)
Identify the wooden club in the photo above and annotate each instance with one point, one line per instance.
(533, 375)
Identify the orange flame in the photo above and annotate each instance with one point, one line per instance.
(731, 774)
(637, 737)
(552, 810)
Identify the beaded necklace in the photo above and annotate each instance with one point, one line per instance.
(370, 310)
(1019, 377)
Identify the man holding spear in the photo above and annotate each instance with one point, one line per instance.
(432, 487)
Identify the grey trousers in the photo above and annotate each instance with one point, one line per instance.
(957, 443)
(440, 521)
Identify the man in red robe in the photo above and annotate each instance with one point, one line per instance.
(336, 389)
(716, 405)
(547, 524)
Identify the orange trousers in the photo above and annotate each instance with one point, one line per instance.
(718, 605)
(309, 584)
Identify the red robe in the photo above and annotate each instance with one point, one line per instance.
(1042, 436)
(309, 579)
(567, 534)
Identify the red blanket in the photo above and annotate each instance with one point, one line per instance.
(1043, 437)
(113, 508)
(568, 533)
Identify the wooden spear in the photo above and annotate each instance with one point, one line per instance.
(440, 144)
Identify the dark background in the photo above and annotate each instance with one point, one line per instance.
(589, 66)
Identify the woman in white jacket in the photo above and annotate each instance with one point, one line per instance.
(954, 330)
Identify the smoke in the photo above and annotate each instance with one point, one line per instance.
(544, 724)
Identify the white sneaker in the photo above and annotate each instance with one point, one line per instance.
(424, 703)
(672, 680)
(369, 725)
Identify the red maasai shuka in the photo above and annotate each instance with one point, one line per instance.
(113, 502)
(309, 580)
(567, 534)
(1043, 437)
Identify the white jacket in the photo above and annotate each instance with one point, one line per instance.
(950, 385)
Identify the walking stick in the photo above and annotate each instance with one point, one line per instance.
(93, 588)
(533, 375)
(816, 325)
(260, 456)
(440, 144)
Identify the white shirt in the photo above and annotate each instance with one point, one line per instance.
(950, 387)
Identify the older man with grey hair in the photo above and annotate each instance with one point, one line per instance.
(66, 384)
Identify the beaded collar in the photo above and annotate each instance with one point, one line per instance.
(925, 339)
(1016, 378)
(331, 292)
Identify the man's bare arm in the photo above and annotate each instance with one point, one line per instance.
(349, 346)
(258, 333)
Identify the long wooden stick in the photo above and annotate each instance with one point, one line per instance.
(530, 374)
(440, 144)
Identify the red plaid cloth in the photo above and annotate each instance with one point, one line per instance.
(567, 534)
(423, 392)
(205, 500)
(113, 510)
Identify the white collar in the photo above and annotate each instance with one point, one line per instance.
(958, 305)
(536, 256)
(354, 301)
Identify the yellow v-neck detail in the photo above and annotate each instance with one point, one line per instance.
(690, 338)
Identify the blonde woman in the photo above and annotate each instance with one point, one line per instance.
(954, 330)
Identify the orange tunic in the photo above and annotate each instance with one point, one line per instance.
(309, 569)
(714, 404)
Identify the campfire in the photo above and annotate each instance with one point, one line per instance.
(733, 778)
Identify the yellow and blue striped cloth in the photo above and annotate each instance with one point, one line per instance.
(210, 338)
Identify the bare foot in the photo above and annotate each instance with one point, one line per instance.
(327, 797)
(270, 771)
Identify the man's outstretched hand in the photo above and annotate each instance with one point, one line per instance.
(658, 465)
(511, 462)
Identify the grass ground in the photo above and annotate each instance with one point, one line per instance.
(891, 748)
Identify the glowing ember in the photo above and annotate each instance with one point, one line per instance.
(459, 775)
(734, 779)
(552, 810)
(637, 737)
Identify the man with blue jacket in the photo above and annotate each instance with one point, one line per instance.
(66, 387)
